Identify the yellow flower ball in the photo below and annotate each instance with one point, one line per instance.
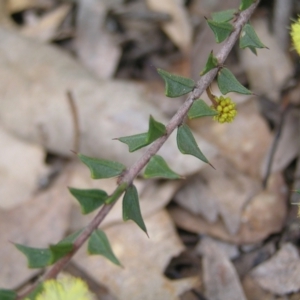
(65, 288)
(295, 34)
(226, 110)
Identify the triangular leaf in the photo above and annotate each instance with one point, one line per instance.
(157, 167)
(253, 50)
(176, 85)
(211, 63)
(63, 247)
(131, 208)
(137, 141)
(59, 250)
(36, 258)
(220, 30)
(7, 294)
(200, 109)
(156, 130)
(249, 38)
(42, 257)
(70, 239)
(187, 144)
(228, 83)
(102, 168)
(245, 4)
(223, 16)
(99, 245)
(89, 200)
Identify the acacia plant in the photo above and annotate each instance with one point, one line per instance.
(228, 26)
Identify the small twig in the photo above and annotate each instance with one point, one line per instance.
(75, 118)
(281, 21)
(211, 97)
(283, 110)
(177, 119)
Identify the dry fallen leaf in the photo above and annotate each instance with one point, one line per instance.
(280, 274)
(196, 197)
(250, 259)
(179, 29)
(15, 6)
(253, 291)
(5, 19)
(46, 28)
(288, 144)
(231, 251)
(264, 214)
(21, 166)
(225, 192)
(95, 45)
(220, 278)
(35, 78)
(144, 260)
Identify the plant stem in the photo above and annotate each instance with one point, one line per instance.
(134, 170)
(212, 98)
